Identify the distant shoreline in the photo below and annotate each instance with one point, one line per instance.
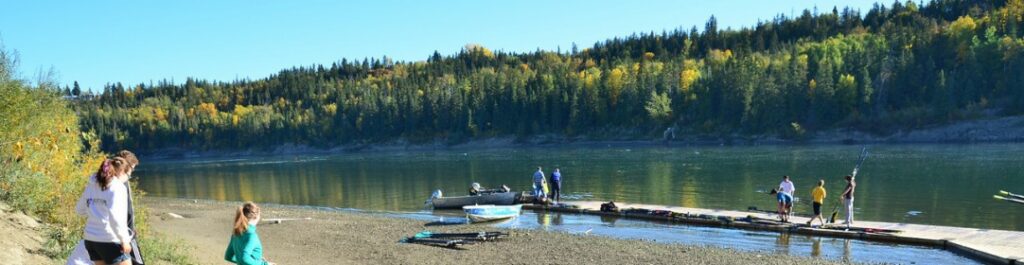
(997, 130)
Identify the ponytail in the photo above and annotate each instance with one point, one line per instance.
(241, 222)
(246, 212)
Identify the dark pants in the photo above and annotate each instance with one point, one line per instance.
(556, 190)
(108, 252)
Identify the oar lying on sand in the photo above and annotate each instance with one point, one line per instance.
(453, 240)
(470, 236)
(446, 243)
(997, 197)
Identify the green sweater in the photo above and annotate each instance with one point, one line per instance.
(245, 249)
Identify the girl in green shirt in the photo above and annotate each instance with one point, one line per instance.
(245, 247)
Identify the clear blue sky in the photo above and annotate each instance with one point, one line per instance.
(99, 42)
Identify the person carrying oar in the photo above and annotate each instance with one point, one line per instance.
(847, 199)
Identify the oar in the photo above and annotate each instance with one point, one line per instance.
(835, 213)
(997, 197)
(1006, 193)
(863, 156)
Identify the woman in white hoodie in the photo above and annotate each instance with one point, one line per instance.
(105, 202)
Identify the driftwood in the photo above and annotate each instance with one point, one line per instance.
(282, 220)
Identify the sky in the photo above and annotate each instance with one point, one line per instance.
(100, 42)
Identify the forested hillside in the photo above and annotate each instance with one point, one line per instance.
(897, 66)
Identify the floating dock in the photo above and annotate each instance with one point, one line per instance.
(987, 245)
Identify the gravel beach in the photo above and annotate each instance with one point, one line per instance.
(339, 237)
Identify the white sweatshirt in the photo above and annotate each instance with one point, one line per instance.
(787, 187)
(107, 212)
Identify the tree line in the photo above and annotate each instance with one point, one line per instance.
(895, 67)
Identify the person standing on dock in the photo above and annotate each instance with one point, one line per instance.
(818, 198)
(787, 187)
(785, 202)
(556, 185)
(847, 199)
(538, 184)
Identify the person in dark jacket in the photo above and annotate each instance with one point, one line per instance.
(556, 185)
(133, 161)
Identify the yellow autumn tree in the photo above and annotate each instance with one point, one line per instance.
(689, 75)
(614, 84)
(474, 48)
(962, 31)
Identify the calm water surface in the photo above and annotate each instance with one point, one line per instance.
(847, 250)
(927, 184)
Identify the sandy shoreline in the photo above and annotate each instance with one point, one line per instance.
(23, 238)
(335, 237)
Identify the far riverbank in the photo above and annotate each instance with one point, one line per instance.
(995, 130)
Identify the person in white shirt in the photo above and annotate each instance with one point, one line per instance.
(105, 203)
(79, 256)
(786, 186)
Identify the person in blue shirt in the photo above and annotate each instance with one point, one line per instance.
(538, 184)
(556, 185)
(245, 247)
(785, 204)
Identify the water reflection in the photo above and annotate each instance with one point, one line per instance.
(836, 249)
(609, 220)
(955, 182)
(816, 247)
(544, 220)
(782, 243)
(847, 250)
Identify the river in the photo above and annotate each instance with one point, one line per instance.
(926, 184)
(948, 185)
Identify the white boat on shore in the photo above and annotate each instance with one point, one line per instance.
(485, 213)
